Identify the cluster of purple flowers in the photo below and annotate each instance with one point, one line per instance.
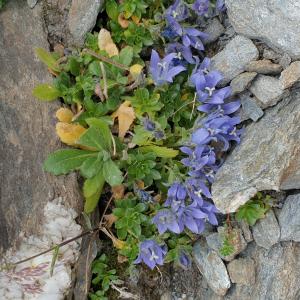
(189, 205)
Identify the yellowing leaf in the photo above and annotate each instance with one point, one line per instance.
(110, 220)
(135, 19)
(125, 114)
(135, 71)
(106, 43)
(69, 133)
(64, 115)
(118, 243)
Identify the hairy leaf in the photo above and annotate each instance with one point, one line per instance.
(111, 173)
(47, 59)
(46, 92)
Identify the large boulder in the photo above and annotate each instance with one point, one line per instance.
(268, 157)
(27, 132)
(275, 22)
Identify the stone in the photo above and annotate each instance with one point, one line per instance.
(32, 3)
(250, 109)
(270, 54)
(215, 242)
(289, 219)
(272, 141)
(285, 60)
(82, 18)
(26, 124)
(242, 271)
(211, 267)
(277, 274)
(246, 231)
(273, 22)
(266, 231)
(268, 90)
(242, 82)
(264, 66)
(290, 75)
(214, 30)
(232, 60)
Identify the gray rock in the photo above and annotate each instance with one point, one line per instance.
(285, 60)
(289, 219)
(212, 268)
(270, 54)
(242, 271)
(27, 133)
(290, 75)
(264, 66)
(242, 82)
(266, 232)
(215, 242)
(274, 22)
(268, 90)
(32, 3)
(214, 30)
(246, 231)
(272, 141)
(232, 60)
(277, 275)
(250, 109)
(82, 18)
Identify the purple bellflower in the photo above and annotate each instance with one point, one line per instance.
(162, 70)
(178, 11)
(220, 5)
(184, 260)
(176, 196)
(201, 7)
(151, 254)
(182, 53)
(165, 220)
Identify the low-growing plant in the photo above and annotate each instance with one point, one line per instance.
(254, 209)
(154, 133)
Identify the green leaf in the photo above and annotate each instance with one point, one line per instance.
(47, 59)
(66, 160)
(92, 166)
(112, 9)
(74, 66)
(126, 56)
(163, 152)
(104, 130)
(92, 190)
(46, 92)
(122, 233)
(92, 138)
(112, 174)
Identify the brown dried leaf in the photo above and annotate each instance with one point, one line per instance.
(118, 191)
(122, 259)
(126, 116)
(106, 43)
(124, 23)
(110, 220)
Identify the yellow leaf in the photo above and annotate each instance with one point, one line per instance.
(110, 220)
(135, 19)
(118, 243)
(135, 71)
(106, 43)
(64, 115)
(69, 133)
(125, 114)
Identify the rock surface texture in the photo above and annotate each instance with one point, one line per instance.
(212, 268)
(232, 60)
(268, 157)
(273, 22)
(289, 219)
(26, 127)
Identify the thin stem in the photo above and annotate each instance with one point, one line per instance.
(105, 92)
(184, 105)
(114, 145)
(194, 102)
(106, 59)
(104, 212)
(58, 245)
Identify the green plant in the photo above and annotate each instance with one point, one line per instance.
(103, 278)
(254, 209)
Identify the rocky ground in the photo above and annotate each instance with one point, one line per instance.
(257, 49)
